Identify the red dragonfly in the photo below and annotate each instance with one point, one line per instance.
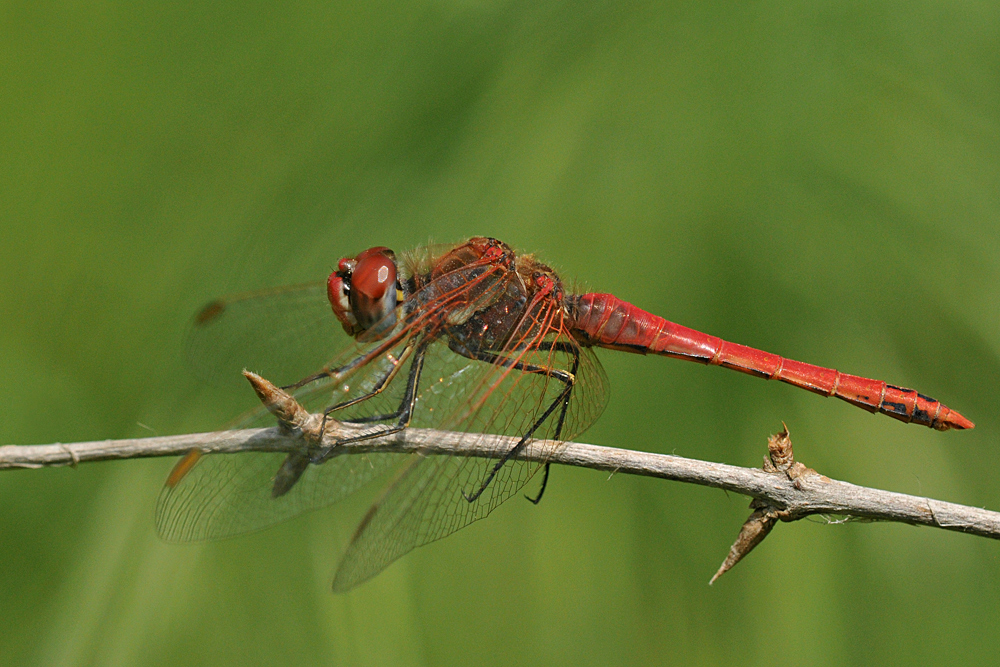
(472, 337)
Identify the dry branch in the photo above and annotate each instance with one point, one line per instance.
(784, 490)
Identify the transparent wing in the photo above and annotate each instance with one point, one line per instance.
(226, 494)
(429, 498)
(539, 386)
(281, 333)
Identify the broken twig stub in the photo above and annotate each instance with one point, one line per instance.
(780, 460)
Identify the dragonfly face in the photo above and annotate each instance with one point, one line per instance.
(364, 291)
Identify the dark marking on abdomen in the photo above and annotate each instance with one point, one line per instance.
(756, 372)
(888, 407)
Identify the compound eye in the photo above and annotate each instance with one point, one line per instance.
(337, 291)
(372, 293)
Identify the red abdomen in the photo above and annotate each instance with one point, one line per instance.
(606, 321)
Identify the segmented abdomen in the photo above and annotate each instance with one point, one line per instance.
(606, 321)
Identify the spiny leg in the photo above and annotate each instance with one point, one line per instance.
(405, 412)
(545, 482)
(375, 418)
(569, 379)
(516, 449)
(331, 373)
(559, 426)
(368, 419)
(379, 386)
(296, 463)
(382, 383)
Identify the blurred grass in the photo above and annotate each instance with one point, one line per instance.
(818, 180)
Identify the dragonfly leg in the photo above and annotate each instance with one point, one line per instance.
(331, 373)
(379, 387)
(368, 419)
(559, 426)
(567, 378)
(519, 447)
(376, 418)
(404, 414)
(545, 482)
(309, 379)
(296, 463)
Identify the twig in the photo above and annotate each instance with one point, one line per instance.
(784, 489)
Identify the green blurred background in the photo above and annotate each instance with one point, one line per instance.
(822, 181)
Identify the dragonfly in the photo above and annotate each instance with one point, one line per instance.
(471, 337)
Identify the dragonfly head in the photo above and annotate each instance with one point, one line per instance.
(363, 292)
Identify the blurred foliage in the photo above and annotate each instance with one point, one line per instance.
(819, 180)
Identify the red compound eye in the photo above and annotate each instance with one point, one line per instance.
(336, 292)
(362, 291)
(373, 279)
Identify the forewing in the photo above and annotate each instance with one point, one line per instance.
(229, 494)
(427, 500)
(281, 333)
